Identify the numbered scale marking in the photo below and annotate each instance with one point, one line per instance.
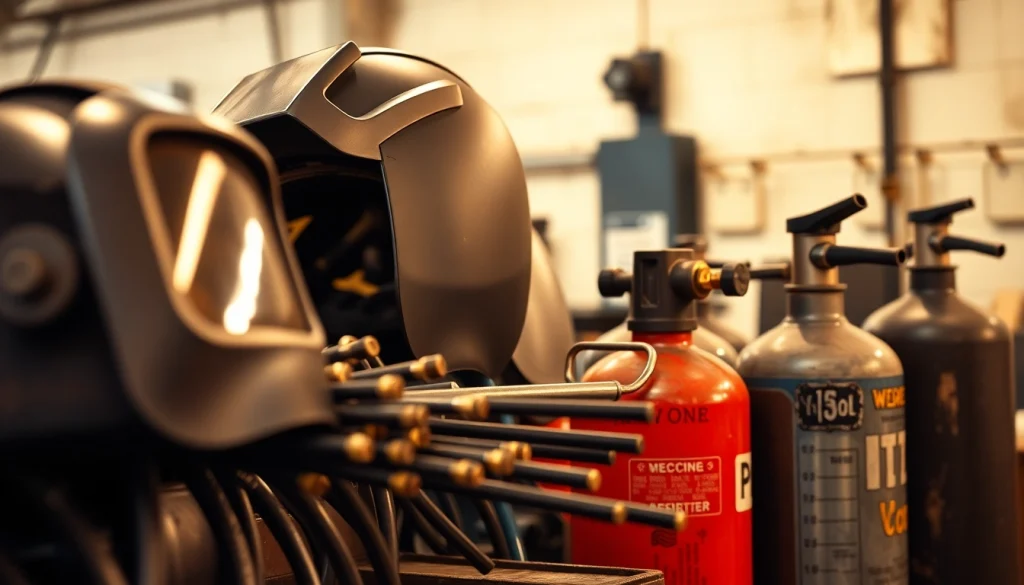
(830, 541)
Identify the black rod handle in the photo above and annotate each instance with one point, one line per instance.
(947, 243)
(576, 477)
(455, 537)
(826, 220)
(827, 256)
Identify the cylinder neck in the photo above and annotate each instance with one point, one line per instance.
(680, 338)
(925, 255)
(933, 279)
(819, 305)
(805, 273)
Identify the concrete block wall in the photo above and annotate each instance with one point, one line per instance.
(212, 51)
(747, 78)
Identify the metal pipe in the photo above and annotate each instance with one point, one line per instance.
(890, 158)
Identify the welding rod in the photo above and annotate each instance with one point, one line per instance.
(400, 482)
(587, 479)
(499, 462)
(451, 533)
(426, 368)
(471, 406)
(598, 456)
(519, 450)
(354, 447)
(350, 348)
(387, 387)
(592, 409)
(590, 506)
(609, 390)
(404, 416)
(419, 436)
(459, 471)
(431, 537)
(396, 452)
(628, 443)
(338, 372)
(434, 386)
(642, 514)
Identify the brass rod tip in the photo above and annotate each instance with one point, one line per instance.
(434, 366)
(472, 407)
(618, 513)
(371, 346)
(593, 480)
(314, 484)
(611, 457)
(499, 462)
(466, 473)
(359, 448)
(649, 412)
(400, 451)
(347, 339)
(681, 520)
(639, 444)
(404, 483)
(338, 371)
(413, 415)
(390, 387)
(376, 431)
(419, 436)
(524, 452)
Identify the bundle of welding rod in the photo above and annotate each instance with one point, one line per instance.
(402, 433)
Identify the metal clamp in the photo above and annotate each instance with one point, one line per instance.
(645, 374)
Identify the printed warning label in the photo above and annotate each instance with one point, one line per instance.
(692, 485)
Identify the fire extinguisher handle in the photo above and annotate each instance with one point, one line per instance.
(645, 374)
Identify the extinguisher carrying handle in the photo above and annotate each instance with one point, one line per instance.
(645, 374)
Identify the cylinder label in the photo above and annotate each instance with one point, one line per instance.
(845, 458)
(693, 485)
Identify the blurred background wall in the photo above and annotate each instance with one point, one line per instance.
(749, 79)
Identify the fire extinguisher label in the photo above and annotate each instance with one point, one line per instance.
(744, 485)
(842, 463)
(693, 485)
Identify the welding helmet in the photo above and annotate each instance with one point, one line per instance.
(145, 280)
(406, 199)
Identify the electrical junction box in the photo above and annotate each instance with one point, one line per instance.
(649, 193)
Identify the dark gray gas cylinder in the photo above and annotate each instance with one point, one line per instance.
(961, 455)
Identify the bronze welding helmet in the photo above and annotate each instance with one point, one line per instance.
(406, 201)
(146, 283)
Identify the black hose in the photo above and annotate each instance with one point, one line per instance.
(236, 561)
(387, 519)
(414, 518)
(10, 574)
(242, 507)
(88, 549)
(150, 551)
(287, 535)
(489, 516)
(347, 501)
(313, 518)
(450, 507)
(456, 538)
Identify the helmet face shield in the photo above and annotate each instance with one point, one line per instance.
(179, 226)
(446, 175)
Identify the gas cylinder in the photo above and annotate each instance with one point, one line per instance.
(697, 451)
(958, 371)
(827, 426)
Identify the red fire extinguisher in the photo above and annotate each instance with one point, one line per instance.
(697, 451)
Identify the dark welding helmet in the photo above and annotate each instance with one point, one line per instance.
(145, 279)
(406, 200)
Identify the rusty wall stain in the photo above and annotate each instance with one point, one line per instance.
(947, 405)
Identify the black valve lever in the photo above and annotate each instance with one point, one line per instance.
(946, 243)
(939, 213)
(827, 256)
(781, 271)
(827, 220)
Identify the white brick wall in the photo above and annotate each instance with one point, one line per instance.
(745, 77)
